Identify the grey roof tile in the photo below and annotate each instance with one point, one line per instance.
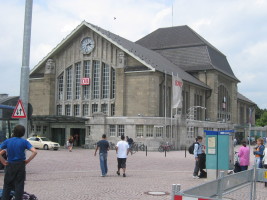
(187, 49)
(243, 98)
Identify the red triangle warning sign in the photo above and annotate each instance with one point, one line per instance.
(19, 111)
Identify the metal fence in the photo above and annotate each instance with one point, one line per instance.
(224, 185)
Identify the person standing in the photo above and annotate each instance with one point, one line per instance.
(200, 159)
(103, 146)
(243, 155)
(16, 161)
(122, 151)
(258, 152)
(264, 160)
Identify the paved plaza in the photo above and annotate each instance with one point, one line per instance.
(61, 175)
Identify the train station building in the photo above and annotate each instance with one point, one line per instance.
(96, 82)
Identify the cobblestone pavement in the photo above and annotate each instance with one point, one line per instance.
(61, 175)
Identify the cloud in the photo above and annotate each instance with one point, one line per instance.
(237, 28)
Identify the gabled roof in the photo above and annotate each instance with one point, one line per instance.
(187, 49)
(153, 60)
(243, 98)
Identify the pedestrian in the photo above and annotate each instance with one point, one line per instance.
(264, 161)
(16, 161)
(103, 146)
(122, 151)
(235, 142)
(243, 155)
(258, 152)
(70, 143)
(200, 159)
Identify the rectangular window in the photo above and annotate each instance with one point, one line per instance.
(44, 129)
(149, 131)
(105, 81)
(85, 109)
(112, 130)
(112, 109)
(67, 110)
(104, 108)
(59, 109)
(120, 130)
(69, 83)
(77, 80)
(38, 129)
(60, 87)
(159, 131)
(139, 130)
(32, 128)
(86, 88)
(96, 79)
(94, 108)
(113, 76)
(76, 110)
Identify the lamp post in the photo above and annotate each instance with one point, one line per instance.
(25, 69)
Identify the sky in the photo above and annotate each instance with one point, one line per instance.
(238, 28)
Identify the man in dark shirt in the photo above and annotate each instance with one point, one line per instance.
(103, 146)
(16, 162)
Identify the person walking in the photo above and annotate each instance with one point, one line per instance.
(258, 152)
(200, 159)
(103, 146)
(122, 151)
(16, 161)
(243, 155)
(70, 143)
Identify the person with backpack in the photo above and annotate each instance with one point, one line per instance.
(200, 159)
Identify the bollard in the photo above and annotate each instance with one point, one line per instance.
(165, 152)
(146, 150)
(185, 151)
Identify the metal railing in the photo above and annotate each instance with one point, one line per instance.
(216, 189)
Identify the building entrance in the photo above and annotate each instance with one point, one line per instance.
(58, 135)
(78, 135)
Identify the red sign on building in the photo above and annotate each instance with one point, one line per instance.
(85, 81)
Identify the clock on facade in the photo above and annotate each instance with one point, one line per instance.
(87, 45)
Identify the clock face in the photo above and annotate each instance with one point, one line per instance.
(87, 45)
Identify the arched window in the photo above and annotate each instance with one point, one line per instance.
(224, 104)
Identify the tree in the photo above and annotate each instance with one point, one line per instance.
(262, 121)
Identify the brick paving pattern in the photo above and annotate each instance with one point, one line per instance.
(61, 175)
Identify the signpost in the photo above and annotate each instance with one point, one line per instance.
(19, 111)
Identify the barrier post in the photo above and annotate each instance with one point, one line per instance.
(146, 150)
(220, 185)
(175, 189)
(185, 152)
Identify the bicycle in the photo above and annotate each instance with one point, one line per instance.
(165, 147)
(112, 146)
(133, 148)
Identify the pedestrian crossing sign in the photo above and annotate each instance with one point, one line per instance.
(19, 111)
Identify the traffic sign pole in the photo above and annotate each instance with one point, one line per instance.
(25, 69)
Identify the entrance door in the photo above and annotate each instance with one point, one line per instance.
(58, 135)
(78, 136)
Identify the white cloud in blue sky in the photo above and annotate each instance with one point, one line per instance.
(237, 28)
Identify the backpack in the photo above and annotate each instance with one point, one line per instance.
(192, 147)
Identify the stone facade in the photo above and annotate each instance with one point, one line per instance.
(124, 96)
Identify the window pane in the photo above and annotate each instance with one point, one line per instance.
(60, 87)
(59, 109)
(67, 110)
(86, 88)
(120, 130)
(76, 110)
(77, 80)
(149, 131)
(112, 130)
(105, 81)
(139, 130)
(85, 109)
(69, 82)
(104, 108)
(94, 108)
(113, 76)
(96, 82)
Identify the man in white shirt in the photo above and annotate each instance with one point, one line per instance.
(122, 150)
